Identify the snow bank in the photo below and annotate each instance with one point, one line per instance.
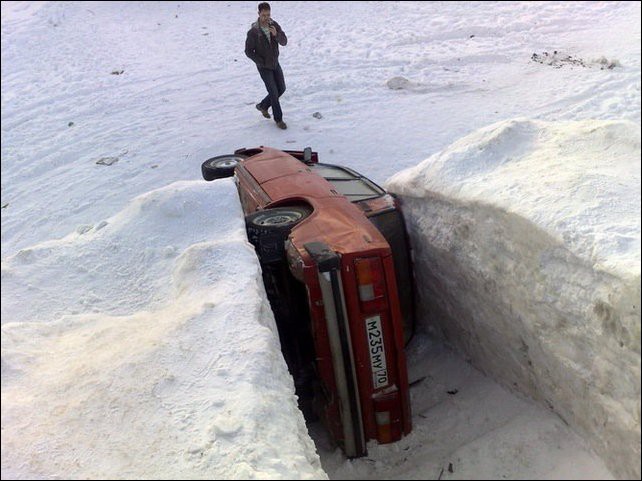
(527, 249)
(144, 346)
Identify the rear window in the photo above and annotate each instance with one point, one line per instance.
(331, 172)
(348, 182)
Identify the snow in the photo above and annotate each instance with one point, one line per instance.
(551, 268)
(136, 336)
(464, 420)
(153, 324)
(587, 193)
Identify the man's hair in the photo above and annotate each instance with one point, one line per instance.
(264, 6)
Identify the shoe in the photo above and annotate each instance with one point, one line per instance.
(264, 112)
(282, 125)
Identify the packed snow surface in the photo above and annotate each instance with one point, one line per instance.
(137, 340)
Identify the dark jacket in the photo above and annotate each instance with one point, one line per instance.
(264, 53)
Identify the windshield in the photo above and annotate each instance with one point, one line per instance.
(348, 182)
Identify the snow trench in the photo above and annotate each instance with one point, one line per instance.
(533, 316)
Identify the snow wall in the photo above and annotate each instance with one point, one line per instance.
(526, 239)
(144, 347)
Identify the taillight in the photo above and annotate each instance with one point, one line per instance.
(387, 409)
(384, 431)
(371, 282)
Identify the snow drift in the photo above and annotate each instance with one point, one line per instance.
(526, 236)
(144, 347)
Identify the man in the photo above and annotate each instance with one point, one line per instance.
(262, 47)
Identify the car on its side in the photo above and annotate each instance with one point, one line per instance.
(336, 265)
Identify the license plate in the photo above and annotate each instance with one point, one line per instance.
(377, 352)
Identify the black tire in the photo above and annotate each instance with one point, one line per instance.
(268, 229)
(221, 166)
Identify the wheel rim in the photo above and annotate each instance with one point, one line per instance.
(230, 161)
(280, 218)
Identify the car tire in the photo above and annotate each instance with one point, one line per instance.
(221, 166)
(268, 229)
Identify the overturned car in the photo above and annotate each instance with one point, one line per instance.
(335, 260)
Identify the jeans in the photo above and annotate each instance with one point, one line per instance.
(275, 85)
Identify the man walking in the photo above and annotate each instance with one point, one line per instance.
(262, 47)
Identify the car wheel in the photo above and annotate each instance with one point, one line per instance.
(221, 166)
(268, 229)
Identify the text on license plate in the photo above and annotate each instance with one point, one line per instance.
(377, 352)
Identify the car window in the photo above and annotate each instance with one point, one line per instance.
(331, 172)
(348, 182)
(355, 190)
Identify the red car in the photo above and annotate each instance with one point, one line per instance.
(335, 259)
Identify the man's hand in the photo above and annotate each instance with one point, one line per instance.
(273, 30)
